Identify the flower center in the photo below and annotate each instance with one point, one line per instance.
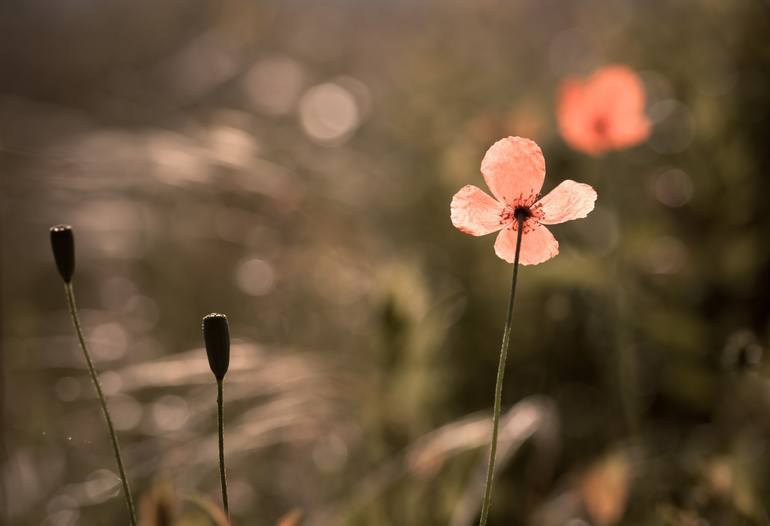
(601, 126)
(522, 213)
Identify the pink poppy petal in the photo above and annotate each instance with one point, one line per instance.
(577, 116)
(570, 200)
(605, 112)
(475, 212)
(537, 244)
(631, 131)
(619, 89)
(514, 168)
(622, 94)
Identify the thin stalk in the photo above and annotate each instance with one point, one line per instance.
(221, 422)
(487, 502)
(626, 362)
(95, 380)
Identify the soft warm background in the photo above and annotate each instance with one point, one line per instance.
(291, 163)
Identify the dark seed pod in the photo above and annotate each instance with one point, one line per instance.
(216, 335)
(63, 245)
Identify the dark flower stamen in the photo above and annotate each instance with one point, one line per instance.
(522, 213)
(601, 126)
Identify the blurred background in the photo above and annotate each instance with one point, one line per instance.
(291, 163)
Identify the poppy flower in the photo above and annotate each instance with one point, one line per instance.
(604, 112)
(514, 170)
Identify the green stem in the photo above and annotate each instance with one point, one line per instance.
(626, 364)
(221, 422)
(95, 380)
(487, 502)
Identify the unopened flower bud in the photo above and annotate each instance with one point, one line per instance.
(216, 335)
(63, 245)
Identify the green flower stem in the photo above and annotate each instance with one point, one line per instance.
(626, 381)
(221, 422)
(92, 371)
(487, 502)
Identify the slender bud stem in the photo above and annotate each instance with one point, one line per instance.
(487, 501)
(95, 380)
(221, 422)
(216, 336)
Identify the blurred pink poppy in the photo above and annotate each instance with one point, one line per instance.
(605, 112)
(514, 170)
